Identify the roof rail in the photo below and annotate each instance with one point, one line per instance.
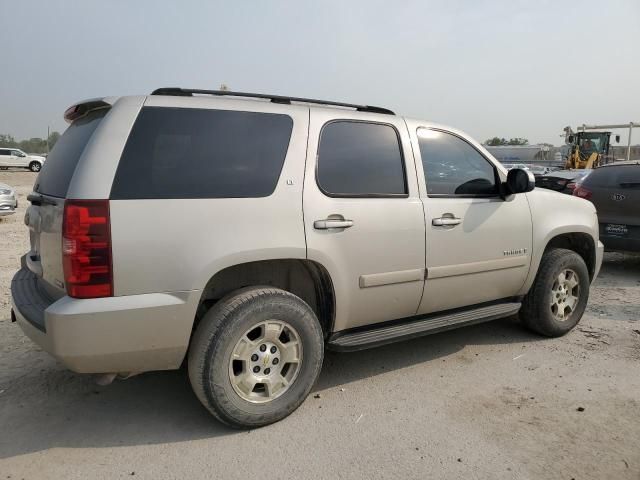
(187, 92)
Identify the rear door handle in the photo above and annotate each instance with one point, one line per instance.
(332, 223)
(445, 221)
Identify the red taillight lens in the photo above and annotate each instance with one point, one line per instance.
(86, 249)
(571, 186)
(582, 192)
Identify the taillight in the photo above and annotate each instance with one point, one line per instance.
(582, 192)
(86, 249)
(571, 186)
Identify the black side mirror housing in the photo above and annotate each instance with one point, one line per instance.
(570, 138)
(520, 181)
(617, 138)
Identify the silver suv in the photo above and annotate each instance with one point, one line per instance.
(246, 233)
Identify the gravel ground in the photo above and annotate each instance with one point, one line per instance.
(489, 401)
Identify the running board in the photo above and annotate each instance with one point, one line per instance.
(411, 328)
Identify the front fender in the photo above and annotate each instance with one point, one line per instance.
(555, 214)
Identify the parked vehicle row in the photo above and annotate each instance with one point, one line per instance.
(247, 233)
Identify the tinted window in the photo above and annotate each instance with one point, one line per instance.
(453, 167)
(4, 152)
(358, 158)
(622, 176)
(196, 153)
(56, 173)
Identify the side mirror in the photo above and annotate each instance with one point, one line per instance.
(617, 138)
(520, 181)
(570, 138)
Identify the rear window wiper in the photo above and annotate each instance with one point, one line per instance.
(38, 199)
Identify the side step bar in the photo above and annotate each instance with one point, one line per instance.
(376, 335)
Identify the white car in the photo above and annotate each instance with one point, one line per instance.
(8, 200)
(14, 157)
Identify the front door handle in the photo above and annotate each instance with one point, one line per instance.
(446, 221)
(332, 223)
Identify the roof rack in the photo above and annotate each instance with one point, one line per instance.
(188, 92)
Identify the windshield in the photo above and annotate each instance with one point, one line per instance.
(592, 142)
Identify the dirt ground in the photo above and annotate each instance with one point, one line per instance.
(489, 401)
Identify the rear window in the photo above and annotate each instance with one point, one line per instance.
(198, 153)
(622, 176)
(61, 163)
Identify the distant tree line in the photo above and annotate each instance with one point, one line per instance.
(496, 142)
(32, 145)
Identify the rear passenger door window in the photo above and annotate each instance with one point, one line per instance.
(360, 159)
(453, 167)
(202, 153)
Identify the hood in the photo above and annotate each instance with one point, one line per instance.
(37, 157)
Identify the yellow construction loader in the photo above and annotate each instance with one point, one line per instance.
(587, 149)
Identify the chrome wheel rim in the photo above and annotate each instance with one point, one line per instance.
(565, 294)
(265, 361)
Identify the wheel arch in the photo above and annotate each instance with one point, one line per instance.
(579, 242)
(578, 239)
(304, 278)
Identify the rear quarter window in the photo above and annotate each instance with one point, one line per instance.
(201, 153)
(61, 163)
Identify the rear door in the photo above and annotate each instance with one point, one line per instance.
(13, 159)
(363, 216)
(44, 215)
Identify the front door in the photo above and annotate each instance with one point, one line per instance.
(363, 215)
(18, 158)
(478, 244)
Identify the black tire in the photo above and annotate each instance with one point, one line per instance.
(35, 166)
(536, 312)
(218, 333)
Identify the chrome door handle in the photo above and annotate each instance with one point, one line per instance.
(332, 223)
(446, 221)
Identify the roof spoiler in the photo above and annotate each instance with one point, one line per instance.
(81, 109)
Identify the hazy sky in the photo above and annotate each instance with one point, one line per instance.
(509, 68)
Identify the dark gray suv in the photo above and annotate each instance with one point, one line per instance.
(615, 191)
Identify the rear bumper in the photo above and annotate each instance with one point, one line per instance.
(128, 334)
(621, 243)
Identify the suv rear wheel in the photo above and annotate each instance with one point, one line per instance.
(255, 356)
(557, 300)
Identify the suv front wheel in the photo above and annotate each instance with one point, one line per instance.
(557, 300)
(255, 356)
